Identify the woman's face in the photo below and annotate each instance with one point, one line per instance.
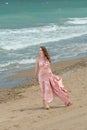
(41, 52)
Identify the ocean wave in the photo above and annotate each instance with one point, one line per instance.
(72, 50)
(77, 21)
(15, 64)
(60, 52)
(14, 39)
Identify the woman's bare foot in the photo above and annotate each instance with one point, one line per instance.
(68, 104)
(46, 106)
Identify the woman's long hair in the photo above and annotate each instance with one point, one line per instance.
(45, 53)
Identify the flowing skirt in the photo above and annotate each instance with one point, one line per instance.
(53, 86)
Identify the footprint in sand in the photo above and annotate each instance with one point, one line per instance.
(16, 125)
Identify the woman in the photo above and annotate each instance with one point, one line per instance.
(50, 84)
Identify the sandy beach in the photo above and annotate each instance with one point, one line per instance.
(21, 107)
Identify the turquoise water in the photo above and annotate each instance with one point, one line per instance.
(26, 13)
(60, 25)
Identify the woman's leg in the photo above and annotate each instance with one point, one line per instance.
(46, 94)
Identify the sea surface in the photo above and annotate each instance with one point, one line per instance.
(25, 25)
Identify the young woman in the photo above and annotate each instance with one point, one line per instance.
(50, 84)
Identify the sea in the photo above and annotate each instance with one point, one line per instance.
(25, 25)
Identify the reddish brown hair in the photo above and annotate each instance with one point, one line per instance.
(45, 53)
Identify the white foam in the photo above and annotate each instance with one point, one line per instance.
(26, 61)
(77, 21)
(21, 38)
(6, 3)
(71, 50)
(17, 63)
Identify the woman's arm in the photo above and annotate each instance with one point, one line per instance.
(36, 68)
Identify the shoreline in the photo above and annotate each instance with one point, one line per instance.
(61, 67)
(23, 77)
(58, 68)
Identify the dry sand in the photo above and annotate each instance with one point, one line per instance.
(21, 108)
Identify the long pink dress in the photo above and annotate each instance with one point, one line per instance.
(50, 84)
